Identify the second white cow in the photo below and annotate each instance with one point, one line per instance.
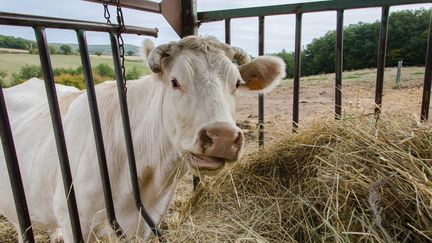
(186, 105)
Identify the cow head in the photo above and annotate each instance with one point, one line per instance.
(201, 79)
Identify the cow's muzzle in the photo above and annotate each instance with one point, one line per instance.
(221, 140)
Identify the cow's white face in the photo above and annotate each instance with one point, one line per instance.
(201, 83)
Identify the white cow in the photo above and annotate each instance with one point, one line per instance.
(187, 104)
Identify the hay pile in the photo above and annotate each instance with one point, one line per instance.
(352, 180)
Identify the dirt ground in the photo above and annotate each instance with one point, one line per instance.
(316, 104)
(317, 95)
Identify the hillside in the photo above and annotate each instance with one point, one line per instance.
(12, 42)
(103, 49)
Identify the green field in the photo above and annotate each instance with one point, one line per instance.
(12, 62)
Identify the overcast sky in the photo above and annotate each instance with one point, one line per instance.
(279, 30)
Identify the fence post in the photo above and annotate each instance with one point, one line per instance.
(398, 74)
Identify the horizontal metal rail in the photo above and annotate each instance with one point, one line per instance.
(58, 23)
(334, 5)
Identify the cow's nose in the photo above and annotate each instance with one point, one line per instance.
(221, 140)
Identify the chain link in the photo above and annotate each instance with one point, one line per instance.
(107, 14)
(120, 30)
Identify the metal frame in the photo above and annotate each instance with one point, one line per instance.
(309, 7)
(298, 9)
(183, 17)
(39, 24)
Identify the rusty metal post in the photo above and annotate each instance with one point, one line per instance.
(381, 59)
(339, 64)
(297, 62)
(424, 114)
(261, 96)
(189, 18)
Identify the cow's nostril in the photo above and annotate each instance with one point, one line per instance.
(239, 140)
(206, 141)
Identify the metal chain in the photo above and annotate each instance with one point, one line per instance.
(107, 14)
(120, 30)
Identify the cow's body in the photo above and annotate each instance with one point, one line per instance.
(186, 105)
(37, 153)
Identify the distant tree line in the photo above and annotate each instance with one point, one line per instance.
(16, 43)
(407, 41)
(23, 44)
(68, 76)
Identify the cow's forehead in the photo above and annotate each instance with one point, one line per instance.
(197, 66)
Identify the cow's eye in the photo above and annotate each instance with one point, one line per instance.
(238, 84)
(175, 83)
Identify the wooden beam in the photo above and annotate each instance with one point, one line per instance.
(181, 15)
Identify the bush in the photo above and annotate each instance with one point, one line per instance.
(52, 49)
(27, 72)
(98, 53)
(60, 71)
(66, 49)
(104, 69)
(71, 80)
(134, 73)
(66, 76)
(3, 75)
(33, 51)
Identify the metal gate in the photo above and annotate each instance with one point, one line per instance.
(183, 17)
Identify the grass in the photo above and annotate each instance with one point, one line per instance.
(367, 75)
(13, 62)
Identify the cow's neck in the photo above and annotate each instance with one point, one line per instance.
(155, 155)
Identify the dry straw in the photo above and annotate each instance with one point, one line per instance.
(339, 181)
(353, 180)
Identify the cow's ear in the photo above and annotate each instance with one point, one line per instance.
(263, 73)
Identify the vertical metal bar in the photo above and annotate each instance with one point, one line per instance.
(424, 114)
(14, 173)
(97, 131)
(188, 17)
(58, 132)
(189, 27)
(128, 136)
(339, 64)
(261, 96)
(297, 62)
(381, 59)
(228, 31)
